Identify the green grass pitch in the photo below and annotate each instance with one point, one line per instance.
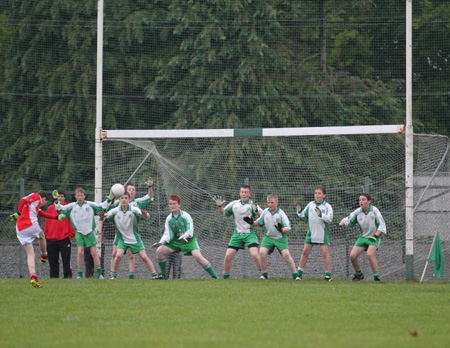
(224, 313)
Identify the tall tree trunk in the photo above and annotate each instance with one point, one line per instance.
(323, 36)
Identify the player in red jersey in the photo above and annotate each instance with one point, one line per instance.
(28, 228)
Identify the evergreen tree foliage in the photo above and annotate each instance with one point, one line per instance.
(205, 64)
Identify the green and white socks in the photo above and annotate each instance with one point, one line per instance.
(208, 268)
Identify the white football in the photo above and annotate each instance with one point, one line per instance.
(117, 190)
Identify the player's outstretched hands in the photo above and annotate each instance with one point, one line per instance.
(149, 182)
(318, 211)
(279, 227)
(255, 206)
(61, 217)
(299, 207)
(249, 220)
(341, 224)
(144, 214)
(219, 201)
(15, 216)
(183, 237)
(55, 194)
(155, 245)
(101, 215)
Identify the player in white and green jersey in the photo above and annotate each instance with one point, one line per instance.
(141, 203)
(179, 236)
(319, 215)
(243, 232)
(372, 227)
(82, 217)
(125, 218)
(277, 226)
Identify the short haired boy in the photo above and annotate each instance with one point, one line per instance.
(82, 216)
(125, 218)
(28, 229)
(179, 236)
(372, 226)
(319, 215)
(141, 203)
(277, 226)
(58, 235)
(243, 232)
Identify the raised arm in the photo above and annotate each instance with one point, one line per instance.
(327, 215)
(256, 208)
(149, 184)
(60, 217)
(351, 219)
(285, 225)
(303, 214)
(219, 203)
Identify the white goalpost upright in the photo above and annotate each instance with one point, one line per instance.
(98, 127)
(409, 158)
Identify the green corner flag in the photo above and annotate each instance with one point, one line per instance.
(436, 256)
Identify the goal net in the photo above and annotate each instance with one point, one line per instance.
(199, 164)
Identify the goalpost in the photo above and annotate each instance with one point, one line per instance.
(197, 164)
(383, 164)
(290, 162)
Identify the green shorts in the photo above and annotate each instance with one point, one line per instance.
(270, 243)
(364, 242)
(135, 248)
(116, 240)
(181, 245)
(239, 240)
(326, 239)
(85, 240)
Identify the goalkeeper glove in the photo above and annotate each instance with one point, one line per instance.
(149, 182)
(15, 216)
(279, 227)
(61, 217)
(318, 211)
(299, 207)
(219, 201)
(255, 206)
(183, 237)
(55, 194)
(248, 220)
(111, 196)
(373, 238)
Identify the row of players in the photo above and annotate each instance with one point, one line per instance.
(179, 236)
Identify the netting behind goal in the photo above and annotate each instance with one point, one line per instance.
(290, 166)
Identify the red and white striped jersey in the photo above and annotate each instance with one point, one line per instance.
(29, 207)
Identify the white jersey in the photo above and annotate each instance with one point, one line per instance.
(176, 226)
(318, 225)
(369, 222)
(269, 220)
(82, 217)
(240, 210)
(126, 223)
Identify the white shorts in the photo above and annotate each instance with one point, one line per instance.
(29, 234)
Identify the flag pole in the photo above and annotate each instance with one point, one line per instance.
(429, 254)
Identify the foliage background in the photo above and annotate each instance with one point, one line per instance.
(207, 64)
